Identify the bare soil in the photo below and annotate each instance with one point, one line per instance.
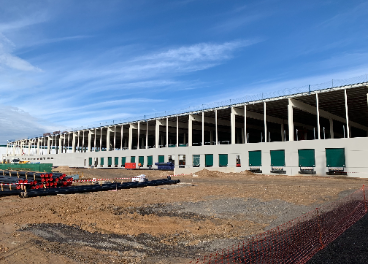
(164, 224)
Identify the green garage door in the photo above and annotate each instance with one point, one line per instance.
(123, 161)
(196, 160)
(306, 158)
(141, 160)
(209, 160)
(278, 158)
(109, 161)
(335, 157)
(90, 161)
(223, 160)
(116, 161)
(102, 161)
(149, 160)
(132, 159)
(255, 158)
(161, 158)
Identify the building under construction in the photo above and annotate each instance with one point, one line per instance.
(314, 132)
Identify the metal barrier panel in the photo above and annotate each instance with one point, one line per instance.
(335, 157)
(255, 158)
(149, 160)
(141, 160)
(278, 157)
(209, 160)
(306, 158)
(223, 160)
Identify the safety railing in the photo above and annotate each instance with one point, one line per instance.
(297, 240)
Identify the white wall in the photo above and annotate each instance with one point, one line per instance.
(356, 151)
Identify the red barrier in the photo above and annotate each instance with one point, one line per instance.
(298, 240)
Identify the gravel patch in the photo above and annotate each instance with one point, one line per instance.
(272, 213)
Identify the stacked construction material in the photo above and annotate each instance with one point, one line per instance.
(97, 188)
(21, 180)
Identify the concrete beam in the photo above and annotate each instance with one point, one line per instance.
(311, 109)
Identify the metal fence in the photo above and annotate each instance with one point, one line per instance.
(248, 98)
(298, 240)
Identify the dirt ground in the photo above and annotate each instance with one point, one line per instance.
(164, 224)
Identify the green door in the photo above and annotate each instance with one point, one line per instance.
(161, 158)
(109, 161)
(196, 160)
(132, 159)
(208, 160)
(306, 158)
(335, 157)
(255, 158)
(123, 161)
(223, 160)
(102, 161)
(141, 160)
(149, 160)
(90, 161)
(278, 158)
(116, 161)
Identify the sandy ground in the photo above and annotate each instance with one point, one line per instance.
(163, 224)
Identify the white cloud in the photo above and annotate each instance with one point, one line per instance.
(16, 123)
(11, 61)
(199, 52)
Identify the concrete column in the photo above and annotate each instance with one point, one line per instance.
(89, 141)
(177, 134)
(83, 148)
(202, 128)
(108, 134)
(347, 114)
(121, 137)
(245, 124)
(73, 142)
(331, 128)
(94, 140)
(318, 125)
(130, 136)
(291, 120)
(101, 132)
(167, 132)
(147, 135)
(217, 141)
(114, 137)
(232, 124)
(78, 141)
(282, 132)
(139, 128)
(48, 145)
(64, 149)
(59, 147)
(157, 134)
(265, 122)
(190, 130)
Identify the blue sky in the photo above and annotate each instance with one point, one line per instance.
(70, 64)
